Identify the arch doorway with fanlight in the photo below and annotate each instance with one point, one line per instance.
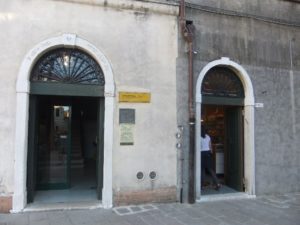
(222, 115)
(65, 133)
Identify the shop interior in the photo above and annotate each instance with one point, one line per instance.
(224, 128)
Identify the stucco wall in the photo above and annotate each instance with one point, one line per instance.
(265, 50)
(142, 49)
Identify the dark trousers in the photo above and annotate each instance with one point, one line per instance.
(206, 165)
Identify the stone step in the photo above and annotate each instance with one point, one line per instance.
(79, 163)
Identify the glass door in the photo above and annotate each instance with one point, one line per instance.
(54, 146)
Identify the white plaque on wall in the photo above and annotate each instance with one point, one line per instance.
(259, 105)
(126, 134)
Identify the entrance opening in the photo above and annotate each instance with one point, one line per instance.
(67, 165)
(66, 128)
(225, 127)
(65, 65)
(224, 83)
(222, 116)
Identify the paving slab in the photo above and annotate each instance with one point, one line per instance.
(265, 210)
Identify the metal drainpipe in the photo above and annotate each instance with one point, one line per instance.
(187, 30)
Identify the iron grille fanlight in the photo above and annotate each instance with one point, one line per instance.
(222, 82)
(67, 66)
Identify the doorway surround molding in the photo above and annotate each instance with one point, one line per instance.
(249, 147)
(22, 111)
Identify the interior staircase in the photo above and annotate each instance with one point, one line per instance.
(77, 160)
(56, 160)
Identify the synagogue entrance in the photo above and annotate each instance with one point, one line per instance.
(65, 134)
(222, 117)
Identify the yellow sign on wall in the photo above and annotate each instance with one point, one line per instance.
(136, 97)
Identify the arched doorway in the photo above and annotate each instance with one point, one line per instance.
(65, 132)
(225, 103)
(68, 41)
(222, 116)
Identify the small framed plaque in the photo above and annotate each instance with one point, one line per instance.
(126, 134)
(127, 116)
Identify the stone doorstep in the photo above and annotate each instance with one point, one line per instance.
(5, 204)
(40, 207)
(122, 199)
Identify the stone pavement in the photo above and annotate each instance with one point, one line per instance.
(267, 210)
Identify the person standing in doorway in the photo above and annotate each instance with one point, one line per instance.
(206, 158)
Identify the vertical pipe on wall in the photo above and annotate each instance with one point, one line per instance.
(191, 198)
(187, 30)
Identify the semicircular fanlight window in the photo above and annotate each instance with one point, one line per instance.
(222, 82)
(65, 65)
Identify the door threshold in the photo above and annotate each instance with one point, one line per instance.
(38, 207)
(222, 197)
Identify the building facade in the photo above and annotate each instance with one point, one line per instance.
(135, 46)
(255, 131)
(95, 100)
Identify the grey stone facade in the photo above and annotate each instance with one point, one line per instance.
(262, 37)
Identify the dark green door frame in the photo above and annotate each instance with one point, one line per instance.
(234, 138)
(47, 88)
(100, 147)
(234, 156)
(32, 146)
(62, 89)
(211, 100)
